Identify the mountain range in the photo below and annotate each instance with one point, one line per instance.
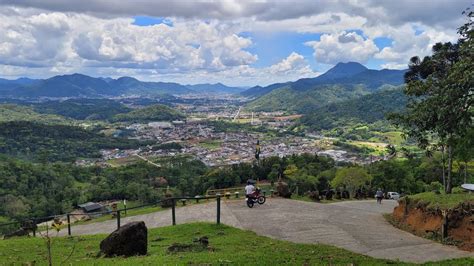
(83, 86)
(343, 82)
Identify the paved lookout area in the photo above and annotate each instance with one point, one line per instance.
(358, 226)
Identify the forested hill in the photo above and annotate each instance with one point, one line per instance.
(366, 109)
(343, 82)
(348, 74)
(83, 86)
(46, 143)
(82, 109)
(78, 85)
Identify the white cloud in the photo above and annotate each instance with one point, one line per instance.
(48, 39)
(342, 47)
(406, 43)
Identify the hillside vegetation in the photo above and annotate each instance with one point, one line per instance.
(81, 109)
(42, 142)
(12, 112)
(288, 99)
(366, 109)
(343, 82)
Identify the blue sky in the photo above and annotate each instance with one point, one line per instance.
(272, 47)
(233, 42)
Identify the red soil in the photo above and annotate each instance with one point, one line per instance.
(422, 221)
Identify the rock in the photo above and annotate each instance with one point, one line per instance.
(129, 240)
(19, 232)
(283, 190)
(203, 241)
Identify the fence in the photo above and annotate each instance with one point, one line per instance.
(34, 221)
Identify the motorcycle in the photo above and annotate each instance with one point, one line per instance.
(256, 197)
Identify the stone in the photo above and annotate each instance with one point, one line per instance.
(19, 232)
(283, 190)
(129, 240)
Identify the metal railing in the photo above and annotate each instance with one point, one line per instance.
(118, 213)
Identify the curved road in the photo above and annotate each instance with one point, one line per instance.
(354, 225)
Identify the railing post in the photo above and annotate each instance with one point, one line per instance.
(34, 227)
(173, 211)
(118, 219)
(68, 224)
(218, 210)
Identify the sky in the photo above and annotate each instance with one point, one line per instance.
(235, 42)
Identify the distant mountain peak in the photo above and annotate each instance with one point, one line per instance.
(344, 69)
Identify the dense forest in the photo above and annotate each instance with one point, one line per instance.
(82, 109)
(48, 143)
(366, 109)
(30, 189)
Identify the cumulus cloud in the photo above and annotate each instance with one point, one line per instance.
(436, 12)
(205, 39)
(407, 43)
(48, 39)
(342, 47)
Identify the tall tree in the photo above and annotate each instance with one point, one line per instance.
(440, 91)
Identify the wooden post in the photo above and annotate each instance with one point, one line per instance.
(218, 210)
(34, 227)
(68, 224)
(118, 219)
(173, 211)
(444, 225)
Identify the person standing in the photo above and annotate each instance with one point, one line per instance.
(379, 196)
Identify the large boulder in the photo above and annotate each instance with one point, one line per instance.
(283, 190)
(129, 240)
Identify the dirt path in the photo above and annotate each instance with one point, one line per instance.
(354, 225)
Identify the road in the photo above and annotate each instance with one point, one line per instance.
(358, 226)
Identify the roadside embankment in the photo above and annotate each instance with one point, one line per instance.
(448, 218)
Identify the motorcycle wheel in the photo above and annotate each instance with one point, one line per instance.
(261, 200)
(250, 203)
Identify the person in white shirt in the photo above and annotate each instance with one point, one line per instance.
(249, 190)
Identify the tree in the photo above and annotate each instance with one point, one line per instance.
(440, 91)
(465, 151)
(351, 178)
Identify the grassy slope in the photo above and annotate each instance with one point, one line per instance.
(443, 201)
(230, 246)
(11, 112)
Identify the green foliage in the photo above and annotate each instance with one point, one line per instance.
(366, 109)
(443, 201)
(351, 178)
(440, 89)
(28, 189)
(46, 143)
(81, 109)
(293, 99)
(307, 166)
(394, 175)
(156, 112)
(12, 112)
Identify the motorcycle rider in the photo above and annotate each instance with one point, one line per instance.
(249, 190)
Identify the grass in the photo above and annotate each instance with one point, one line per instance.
(443, 201)
(228, 246)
